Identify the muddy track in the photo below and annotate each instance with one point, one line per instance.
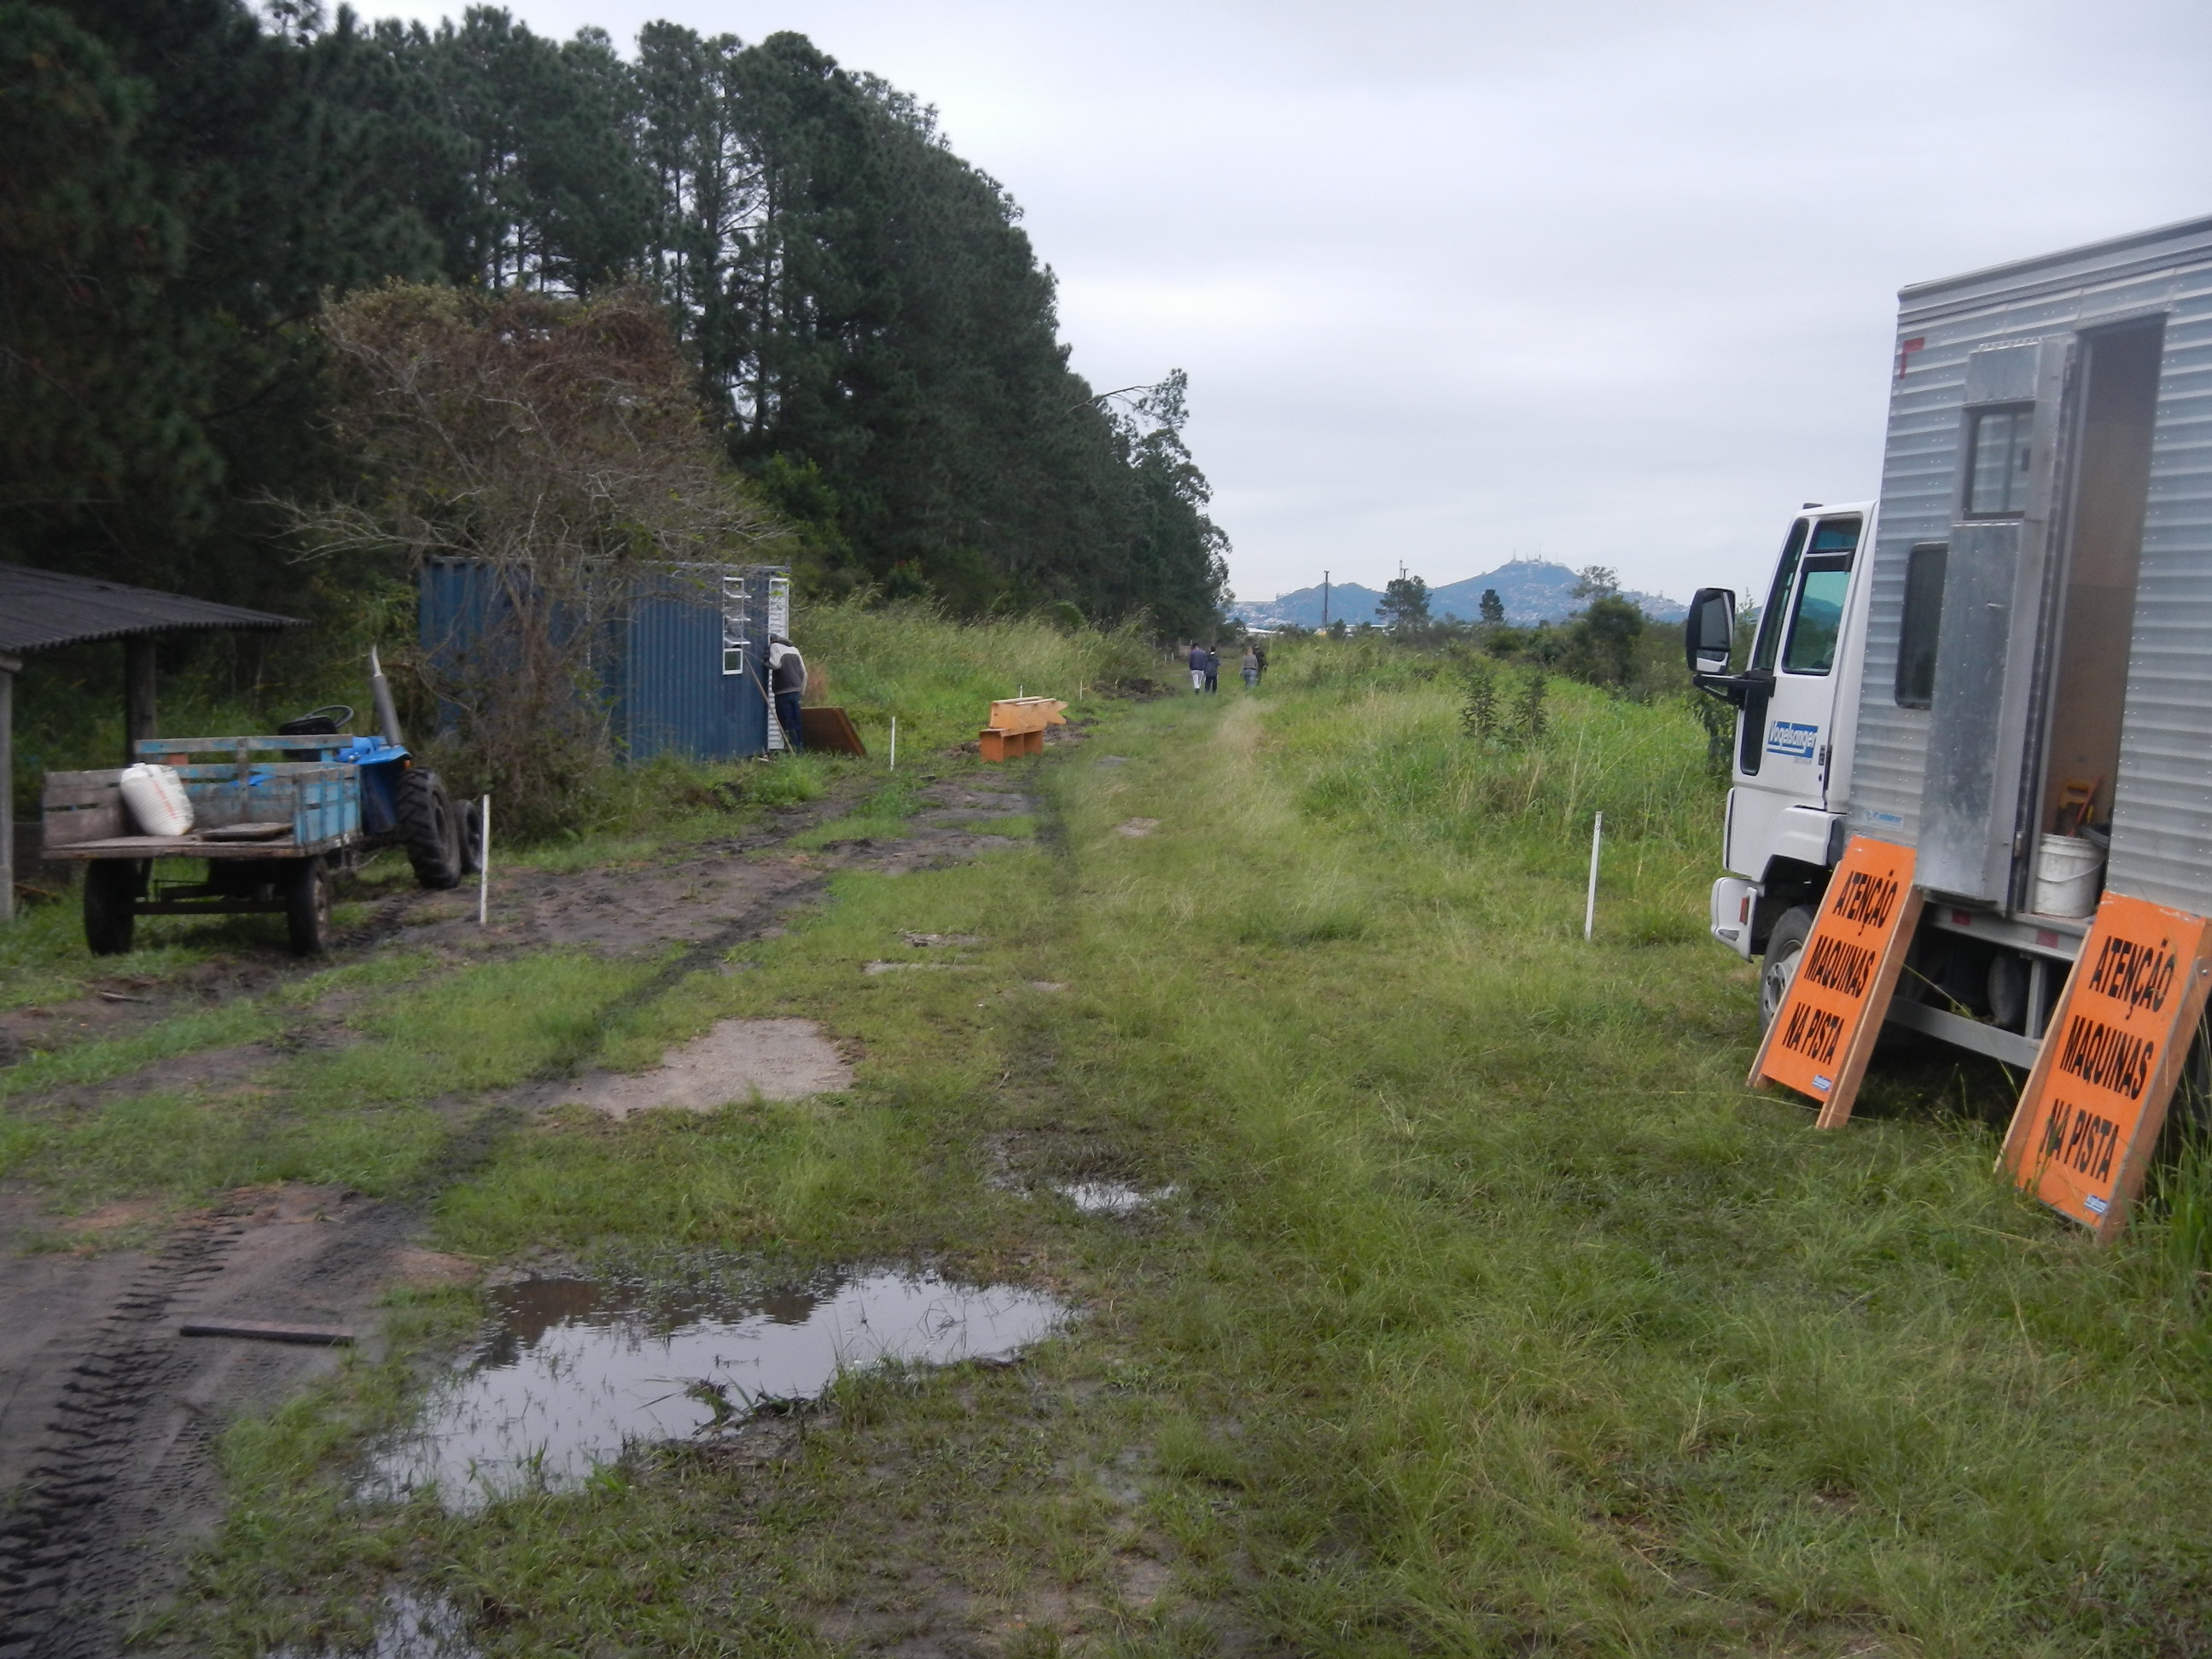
(60, 1559)
(118, 1471)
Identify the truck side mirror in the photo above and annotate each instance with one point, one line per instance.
(1709, 636)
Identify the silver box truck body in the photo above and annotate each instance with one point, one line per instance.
(2006, 664)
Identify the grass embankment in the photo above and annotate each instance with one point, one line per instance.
(1491, 1314)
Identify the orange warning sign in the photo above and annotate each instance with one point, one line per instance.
(2097, 1098)
(1825, 1030)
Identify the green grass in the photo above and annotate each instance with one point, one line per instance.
(1492, 1315)
(939, 676)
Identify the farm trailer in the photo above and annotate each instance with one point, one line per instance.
(272, 832)
(2006, 663)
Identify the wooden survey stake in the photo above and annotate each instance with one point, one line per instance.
(1825, 1030)
(2097, 1098)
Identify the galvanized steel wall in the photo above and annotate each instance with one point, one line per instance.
(2162, 828)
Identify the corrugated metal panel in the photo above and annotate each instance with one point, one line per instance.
(661, 660)
(44, 608)
(2162, 830)
(2162, 816)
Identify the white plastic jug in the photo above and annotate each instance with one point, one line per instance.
(157, 800)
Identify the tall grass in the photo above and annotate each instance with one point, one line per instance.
(939, 676)
(1384, 743)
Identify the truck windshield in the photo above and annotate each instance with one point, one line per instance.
(1778, 599)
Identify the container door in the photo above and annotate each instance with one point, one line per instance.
(1982, 699)
(1785, 736)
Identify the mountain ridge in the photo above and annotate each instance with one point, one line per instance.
(1532, 589)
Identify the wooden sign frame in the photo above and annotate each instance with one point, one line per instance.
(2081, 1137)
(1823, 1033)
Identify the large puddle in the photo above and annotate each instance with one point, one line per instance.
(578, 1368)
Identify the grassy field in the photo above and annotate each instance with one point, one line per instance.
(1491, 1314)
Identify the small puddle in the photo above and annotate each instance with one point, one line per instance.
(1111, 1197)
(578, 1368)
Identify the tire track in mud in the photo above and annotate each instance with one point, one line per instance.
(62, 1565)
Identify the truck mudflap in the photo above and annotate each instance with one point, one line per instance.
(1734, 908)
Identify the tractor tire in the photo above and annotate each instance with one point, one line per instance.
(430, 830)
(307, 908)
(1779, 966)
(112, 887)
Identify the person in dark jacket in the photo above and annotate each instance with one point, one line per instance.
(1213, 669)
(1197, 667)
(786, 672)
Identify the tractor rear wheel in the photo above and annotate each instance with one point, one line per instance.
(112, 887)
(307, 908)
(430, 830)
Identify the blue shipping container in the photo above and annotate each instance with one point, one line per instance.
(681, 660)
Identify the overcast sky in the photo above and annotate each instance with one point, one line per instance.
(1605, 280)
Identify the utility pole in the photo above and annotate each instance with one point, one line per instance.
(1324, 601)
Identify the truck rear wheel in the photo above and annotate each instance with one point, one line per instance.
(1779, 965)
(430, 830)
(307, 908)
(112, 887)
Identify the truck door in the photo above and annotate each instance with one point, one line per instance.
(1981, 701)
(1784, 740)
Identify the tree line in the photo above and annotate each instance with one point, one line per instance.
(870, 337)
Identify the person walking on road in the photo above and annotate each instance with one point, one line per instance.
(1251, 667)
(1213, 669)
(1197, 667)
(787, 677)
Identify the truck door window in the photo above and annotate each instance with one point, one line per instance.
(1997, 453)
(1916, 632)
(1818, 617)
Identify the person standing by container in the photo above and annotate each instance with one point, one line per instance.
(1251, 667)
(1197, 667)
(786, 674)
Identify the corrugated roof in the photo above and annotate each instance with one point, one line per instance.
(45, 607)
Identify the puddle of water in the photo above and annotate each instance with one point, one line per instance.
(410, 1625)
(578, 1368)
(1111, 1197)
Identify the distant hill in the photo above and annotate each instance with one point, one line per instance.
(1534, 590)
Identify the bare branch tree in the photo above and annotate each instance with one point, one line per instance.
(559, 444)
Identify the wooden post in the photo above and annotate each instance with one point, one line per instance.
(138, 718)
(10, 667)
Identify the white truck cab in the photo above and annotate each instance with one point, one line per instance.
(1790, 770)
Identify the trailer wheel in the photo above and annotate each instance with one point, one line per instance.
(112, 887)
(471, 813)
(430, 830)
(1779, 966)
(307, 908)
